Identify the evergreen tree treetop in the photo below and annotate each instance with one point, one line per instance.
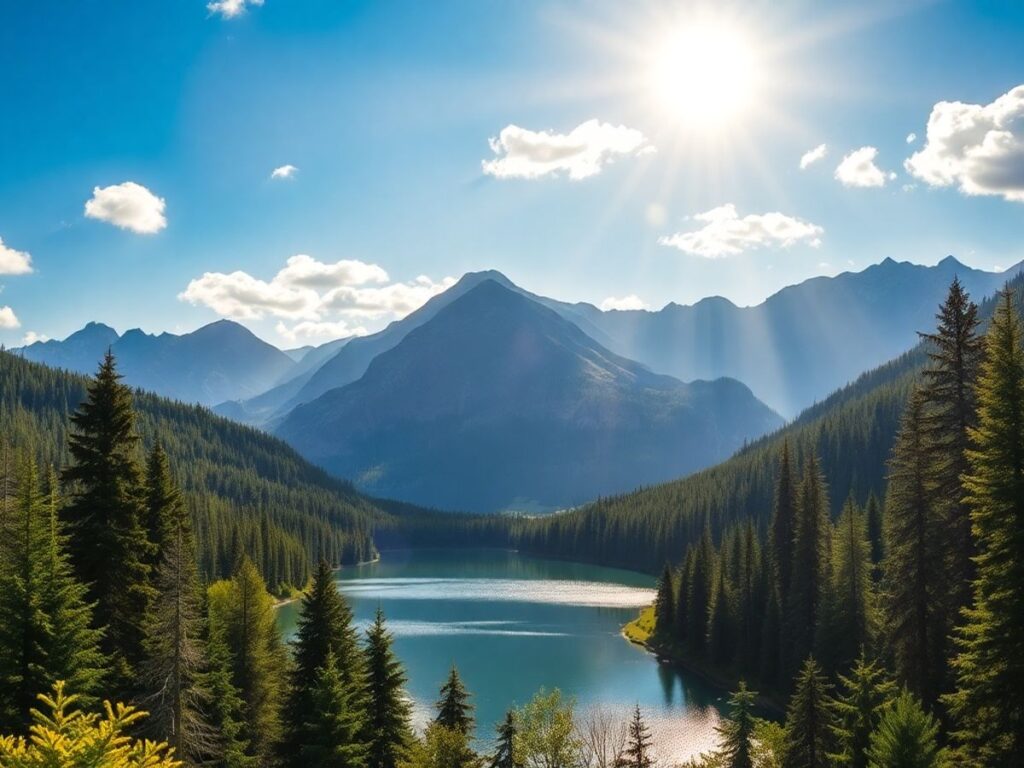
(454, 710)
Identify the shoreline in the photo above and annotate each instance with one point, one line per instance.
(280, 602)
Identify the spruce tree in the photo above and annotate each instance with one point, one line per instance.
(453, 708)
(331, 735)
(913, 565)
(504, 751)
(387, 731)
(771, 655)
(876, 533)
(808, 720)
(161, 504)
(987, 704)
(639, 743)
(810, 564)
(325, 628)
(907, 737)
(783, 526)
(721, 628)
(955, 353)
(681, 612)
(664, 605)
(225, 712)
(241, 616)
(736, 733)
(699, 593)
(857, 708)
(173, 670)
(109, 546)
(45, 629)
(852, 616)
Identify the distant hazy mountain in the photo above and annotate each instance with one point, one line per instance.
(498, 402)
(803, 342)
(220, 361)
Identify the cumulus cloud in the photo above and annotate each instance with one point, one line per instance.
(229, 9)
(632, 301)
(858, 169)
(583, 152)
(979, 148)
(8, 319)
(310, 330)
(320, 299)
(812, 156)
(725, 233)
(283, 172)
(31, 337)
(128, 206)
(14, 262)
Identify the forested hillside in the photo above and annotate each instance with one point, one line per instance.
(852, 432)
(247, 490)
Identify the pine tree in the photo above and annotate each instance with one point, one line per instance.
(913, 563)
(109, 544)
(808, 720)
(241, 616)
(325, 628)
(721, 627)
(175, 660)
(906, 737)
(664, 605)
(783, 527)
(45, 630)
(771, 643)
(810, 564)
(852, 616)
(858, 708)
(699, 593)
(504, 752)
(453, 708)
(331, 735)
(639, 744)
(225, 712)
(681, 612)
(987, 704)
(162, 503)
(387, 729)
(736, 734)
(950, 413)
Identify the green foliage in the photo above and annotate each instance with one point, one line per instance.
(387, 720)
(989, 666)
(906, 737)
(504, 752)
(546, 734)
(808, 720)
(241, 616)
(736, 733)
(858, 707)
(664, 605)
(46, 630)
(454, 711)
(442, 748)
(639, 744)
(68, 738)
(109, 545)
(330, 736)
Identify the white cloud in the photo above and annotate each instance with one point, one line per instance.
(128, 206)
(229, 9)
(812, 156)
(632, 301)
(321, 298)
(583, 152)
(978, 147)
(911, 137)
(8, 319)
(14, 262)
(31, 337)
(310, 330)
(283, 172)
(725, 233)
(858, 169)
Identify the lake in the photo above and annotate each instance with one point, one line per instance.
(514, 623)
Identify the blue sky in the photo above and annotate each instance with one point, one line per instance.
(171, 116)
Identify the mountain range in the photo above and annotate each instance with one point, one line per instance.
(500, 403)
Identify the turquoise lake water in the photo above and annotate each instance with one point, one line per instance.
(513, 624)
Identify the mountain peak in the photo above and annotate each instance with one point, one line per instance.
(951, 261)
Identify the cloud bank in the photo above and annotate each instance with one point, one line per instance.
(979, 148)
(726, 233)
(632, 301)
(581, 153)
(321, 299)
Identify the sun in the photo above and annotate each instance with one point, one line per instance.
(704, 74)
